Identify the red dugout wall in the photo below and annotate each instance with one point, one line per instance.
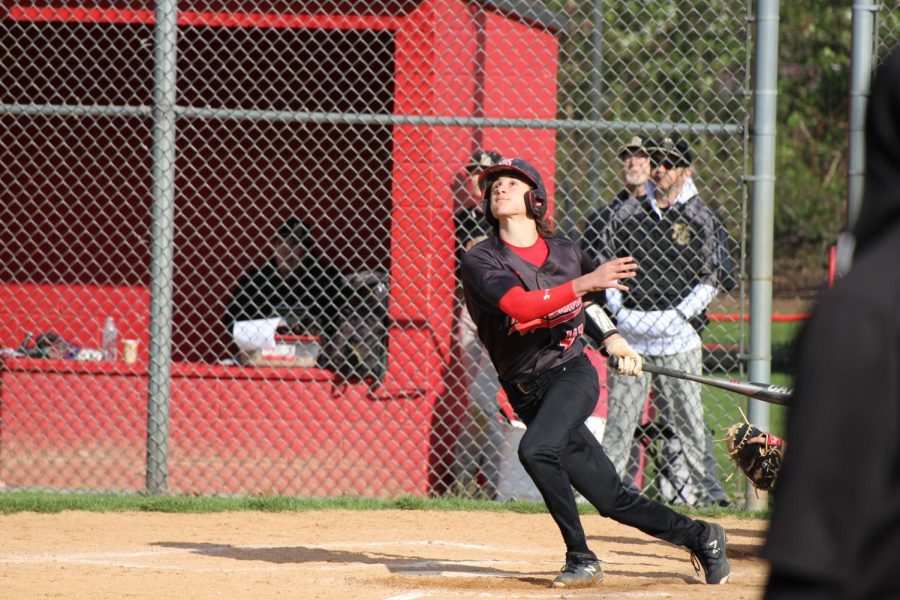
(88, 212)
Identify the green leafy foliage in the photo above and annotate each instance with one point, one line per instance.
(662, 63)
(813, 109)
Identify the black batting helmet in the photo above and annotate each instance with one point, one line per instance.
(535, 199)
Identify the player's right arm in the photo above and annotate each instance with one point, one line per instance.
(483, 274)
(485, 278)
(603, 331)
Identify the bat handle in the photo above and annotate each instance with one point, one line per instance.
(613, 361)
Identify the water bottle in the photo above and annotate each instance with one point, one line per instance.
(110, 340)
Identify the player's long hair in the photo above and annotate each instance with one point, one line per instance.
(544, 227)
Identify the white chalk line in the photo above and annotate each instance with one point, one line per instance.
(414, 568)
(411, 567)
(463, 545)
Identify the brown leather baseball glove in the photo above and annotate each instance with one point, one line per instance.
(756, 453)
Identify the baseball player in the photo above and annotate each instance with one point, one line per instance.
(527, 293)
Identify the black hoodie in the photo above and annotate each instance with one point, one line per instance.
(835, 530)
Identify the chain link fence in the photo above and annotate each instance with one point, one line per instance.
(271, 220)
(887, 27)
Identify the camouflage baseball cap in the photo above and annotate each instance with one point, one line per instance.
(635, 144)
(676, 149)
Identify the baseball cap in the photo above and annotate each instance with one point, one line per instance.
(676, 150)
(634, 144)
(483, 159)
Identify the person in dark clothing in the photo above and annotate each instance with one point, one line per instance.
(468, 219)
(660, 220)
(527, 293)
(295, 283)
(478, 450)
(835, 529)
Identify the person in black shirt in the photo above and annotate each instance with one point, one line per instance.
(677, 240)
(295, 283)
(835, 529)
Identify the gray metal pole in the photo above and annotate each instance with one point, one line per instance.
(274, 116)
(861, 51)
(596, 99)
(162, 241)
(763, 213)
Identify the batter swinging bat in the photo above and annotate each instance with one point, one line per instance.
(776, 394)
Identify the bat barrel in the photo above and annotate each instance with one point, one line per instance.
(759, 391)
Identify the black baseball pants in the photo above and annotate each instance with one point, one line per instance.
(559, 452)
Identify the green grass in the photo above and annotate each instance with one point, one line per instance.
(729, 332)
(55, 502)
(722, 407)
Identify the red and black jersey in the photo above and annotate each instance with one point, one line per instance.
(522, 351)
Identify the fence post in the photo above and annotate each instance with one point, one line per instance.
(162, 241)
(861, 51)
(765, 95)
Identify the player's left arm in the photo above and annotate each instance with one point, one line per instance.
(485, 278)
(526, 306)
(600, 328)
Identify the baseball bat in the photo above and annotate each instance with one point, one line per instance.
(776, 394)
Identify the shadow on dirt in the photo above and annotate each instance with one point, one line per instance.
(395, 563)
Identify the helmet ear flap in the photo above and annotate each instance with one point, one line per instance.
(536, 203)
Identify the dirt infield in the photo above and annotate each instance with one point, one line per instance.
(395, 555)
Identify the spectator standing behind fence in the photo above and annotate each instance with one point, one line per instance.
(477, 457)
(835, 530)
(678, 241)
(297, 284)
(599, 238)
